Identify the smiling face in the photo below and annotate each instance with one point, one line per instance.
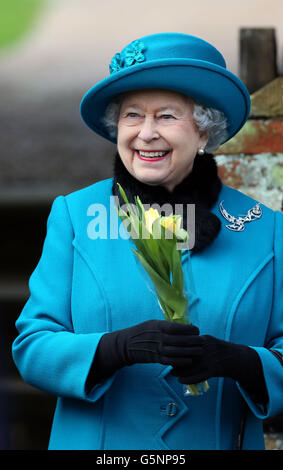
(157, 137)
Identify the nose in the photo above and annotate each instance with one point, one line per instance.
(148, 129)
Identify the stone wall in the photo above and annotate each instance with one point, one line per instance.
(252, 161)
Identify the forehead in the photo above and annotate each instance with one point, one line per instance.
(156, 97)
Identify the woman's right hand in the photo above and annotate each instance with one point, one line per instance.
(152, 341)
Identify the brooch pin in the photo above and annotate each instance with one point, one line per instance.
(237, 224)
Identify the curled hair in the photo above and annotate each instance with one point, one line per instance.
(213, 122)
(208, 120)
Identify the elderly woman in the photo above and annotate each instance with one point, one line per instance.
(93, 334)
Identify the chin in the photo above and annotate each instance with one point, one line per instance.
(148, 180)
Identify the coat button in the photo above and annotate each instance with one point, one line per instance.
(171, 409)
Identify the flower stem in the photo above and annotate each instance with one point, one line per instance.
(194, 388)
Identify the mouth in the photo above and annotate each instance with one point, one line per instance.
(152, 155)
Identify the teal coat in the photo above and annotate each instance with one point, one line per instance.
(83, 287)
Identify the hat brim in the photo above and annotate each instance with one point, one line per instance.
(209, 84)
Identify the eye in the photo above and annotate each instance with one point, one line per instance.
(167, 116)
(131, 118)
(132, 115)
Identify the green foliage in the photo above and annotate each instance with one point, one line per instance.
(17, 17)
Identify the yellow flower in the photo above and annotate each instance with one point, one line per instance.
(150, 216)
(173, 224)
(170, 223)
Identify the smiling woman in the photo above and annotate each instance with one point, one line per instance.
(146, 129)
(93, 334)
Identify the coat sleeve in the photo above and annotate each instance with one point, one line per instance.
(47, 352)
(272, 365)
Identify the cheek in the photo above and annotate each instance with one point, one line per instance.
(124, 137)
(190, 137)
(124, 147)
(189, 129)
(119, 135)
(184, 131)
(185, 143)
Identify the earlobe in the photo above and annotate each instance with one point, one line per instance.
(203, 142)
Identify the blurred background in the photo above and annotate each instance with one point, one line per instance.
(51, 53)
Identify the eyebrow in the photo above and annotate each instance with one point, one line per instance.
(162, 108)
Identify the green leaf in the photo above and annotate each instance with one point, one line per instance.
(168, 312)
(177, 270)
(140, 208)
(167, 247)
(172, 298)
(157, 260)
(123, 194)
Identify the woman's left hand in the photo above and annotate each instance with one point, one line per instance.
(223, 359)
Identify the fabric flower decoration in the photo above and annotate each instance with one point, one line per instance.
(115, 64)
(134, 53)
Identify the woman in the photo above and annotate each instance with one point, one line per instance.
(93, 334)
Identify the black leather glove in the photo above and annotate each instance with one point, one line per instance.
(153, 341)
(224, 359)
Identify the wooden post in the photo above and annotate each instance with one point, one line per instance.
(258, 62)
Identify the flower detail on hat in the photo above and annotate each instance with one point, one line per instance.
(116, 63)
(134, 53)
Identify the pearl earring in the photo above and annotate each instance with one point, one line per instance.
(201, 151)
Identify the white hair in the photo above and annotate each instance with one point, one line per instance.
(208, 120)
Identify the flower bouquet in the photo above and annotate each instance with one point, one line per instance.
(156, 238)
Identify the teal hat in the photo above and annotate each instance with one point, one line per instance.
(170, 61)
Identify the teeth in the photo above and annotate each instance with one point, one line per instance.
(152, 154)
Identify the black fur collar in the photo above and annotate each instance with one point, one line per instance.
(201, 187)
